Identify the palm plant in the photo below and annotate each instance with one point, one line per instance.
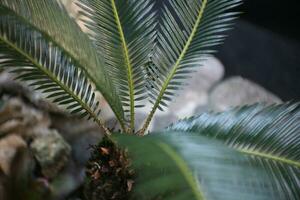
(133, 53)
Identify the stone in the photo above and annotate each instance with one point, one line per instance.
(13, 87)
(196, 93)
(237, 91)
(81, 146)
(188, 100)
(162, 121)
(68, 181)
(19, 118)
(9, 146)
(51, 151)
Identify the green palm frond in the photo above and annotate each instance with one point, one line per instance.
(25, 52)
(51, 20)
(181, 166)
(123, 32)
(188, 30)
(270, 136)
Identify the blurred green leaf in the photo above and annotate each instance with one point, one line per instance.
(181, 166)
(269, 136)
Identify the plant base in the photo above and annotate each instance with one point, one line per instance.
(109, 175)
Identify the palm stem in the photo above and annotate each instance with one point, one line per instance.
(129, 67)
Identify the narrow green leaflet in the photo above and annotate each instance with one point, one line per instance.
(188, 30)
(25, 52)
(270, 136)
(123, 31)
(53, 22)
(178, 166)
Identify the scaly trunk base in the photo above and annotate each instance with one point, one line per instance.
(109, 175)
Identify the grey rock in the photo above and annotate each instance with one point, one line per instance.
(162, 121)
(68, 181)
(16, 117)
(51, 151)
(81, 147)
(71, 128)
(16, 88)
(187, 101)
(201, 109)
(237, 91)
(196, 94)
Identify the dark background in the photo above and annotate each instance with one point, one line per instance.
(265, 46)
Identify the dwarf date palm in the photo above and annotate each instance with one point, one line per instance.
(136, 51)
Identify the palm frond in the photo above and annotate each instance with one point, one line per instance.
(188, 31)
(52, 21)
(270, 136)
(181, 166)
(26, 52)
(123, 32)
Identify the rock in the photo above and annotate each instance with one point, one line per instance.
(19, 118)
(81, 146)
(237, 91)
(51, 151)
(201, 109)
(192, 97)
(20, 89)
(67, 182)
(8, 149)
(162, 121)
(73, 128)
(196, 94)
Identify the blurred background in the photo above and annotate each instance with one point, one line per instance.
(265, 46)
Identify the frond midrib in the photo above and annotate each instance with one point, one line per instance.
(68, 54)
(128, 64)
(184, 169)
(55, 80)
(175, 67)
(270, 157)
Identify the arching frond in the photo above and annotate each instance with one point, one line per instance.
(270, 136)
(52, 21)
(123, 32)
(180, 166)
(188, 31)
(41, 63)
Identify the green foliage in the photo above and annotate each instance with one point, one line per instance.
(133, 53)
(51, 22)
(259, 157)
(269, 136)
(188, 30)
(181, 166)
(27, 53)
(123, 33)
